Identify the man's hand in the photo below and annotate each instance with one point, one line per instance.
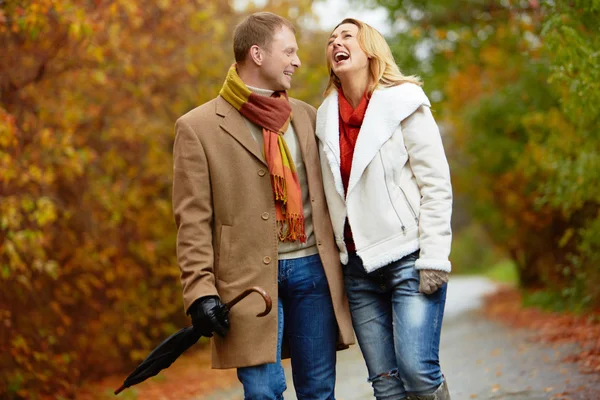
(209, 315)
(431, 280)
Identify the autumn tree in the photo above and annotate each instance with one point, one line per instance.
(515, 82)
(89, 93)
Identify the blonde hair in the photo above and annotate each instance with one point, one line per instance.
(383, 70)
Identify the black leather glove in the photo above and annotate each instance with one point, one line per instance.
(209, 315)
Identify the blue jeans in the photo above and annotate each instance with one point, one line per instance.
(397, 327)
(307, 322)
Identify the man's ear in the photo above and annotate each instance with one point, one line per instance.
(256, 55)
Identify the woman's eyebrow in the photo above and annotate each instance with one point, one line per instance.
(334, 35)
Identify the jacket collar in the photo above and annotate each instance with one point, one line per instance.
(303, 127)
(233, 123)
(387, 108)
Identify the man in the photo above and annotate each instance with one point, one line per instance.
(250, 210)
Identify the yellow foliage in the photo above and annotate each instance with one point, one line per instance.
(86, 129)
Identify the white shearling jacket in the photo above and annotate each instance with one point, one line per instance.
(399, 196)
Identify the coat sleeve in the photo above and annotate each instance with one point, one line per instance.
(192, 208)
(430, 167)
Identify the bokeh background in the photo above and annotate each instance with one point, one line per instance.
(89, 93)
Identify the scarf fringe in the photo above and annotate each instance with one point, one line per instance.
(279, 188)
(273, 114)
(295, 229)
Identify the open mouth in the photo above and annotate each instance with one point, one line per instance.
(288, 73)
(341, 56)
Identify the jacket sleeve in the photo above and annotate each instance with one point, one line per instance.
(192, 208)
(430, 167)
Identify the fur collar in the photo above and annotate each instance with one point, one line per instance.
(387, 108)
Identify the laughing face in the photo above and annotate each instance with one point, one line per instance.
(344, 53)
(280, 61)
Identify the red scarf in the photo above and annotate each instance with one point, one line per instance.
(350, 122)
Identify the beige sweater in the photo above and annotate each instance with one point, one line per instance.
(288, 250)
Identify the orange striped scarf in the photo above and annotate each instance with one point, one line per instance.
(273, 114)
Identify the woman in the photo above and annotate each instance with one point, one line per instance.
(388, 190)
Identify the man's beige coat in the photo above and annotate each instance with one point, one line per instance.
(227, 237)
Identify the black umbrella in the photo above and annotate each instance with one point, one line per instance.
(167, 352)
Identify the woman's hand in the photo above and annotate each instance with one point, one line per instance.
(431, 280)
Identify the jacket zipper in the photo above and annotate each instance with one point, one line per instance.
(412, 210)
(389, 196)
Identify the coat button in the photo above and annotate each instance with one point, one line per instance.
(261, 172)
(265, 216)
(267, 260)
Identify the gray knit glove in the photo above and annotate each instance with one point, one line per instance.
(431, 280)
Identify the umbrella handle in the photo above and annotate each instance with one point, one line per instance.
(246, 292)
(120, 389)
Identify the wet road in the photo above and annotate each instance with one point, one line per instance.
(481, 359)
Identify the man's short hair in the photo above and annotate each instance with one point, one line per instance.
(257, 29)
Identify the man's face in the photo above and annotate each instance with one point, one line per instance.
(280, 61)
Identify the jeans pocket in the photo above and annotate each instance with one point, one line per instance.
(403, 275)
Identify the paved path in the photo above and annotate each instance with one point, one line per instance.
(481, 359)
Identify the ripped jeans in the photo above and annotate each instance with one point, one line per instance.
(398, 328)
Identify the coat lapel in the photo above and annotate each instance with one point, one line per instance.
(302, 128)
(328, 132)
(387, 108)
(233, 123)
(378, 126)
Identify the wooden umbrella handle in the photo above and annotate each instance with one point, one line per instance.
(245, 293)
